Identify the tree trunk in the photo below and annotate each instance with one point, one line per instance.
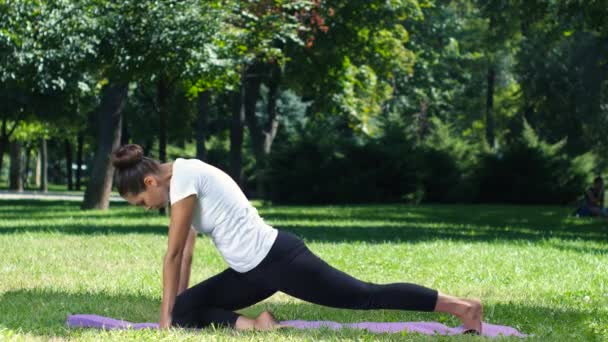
(3, 146)
(236, 136)
(491, 78)
(38, 169)
(44, 166)
(148, 145)
(5, 134)
(124, 136)
(79, 151)
(97, 194)
(162, 96)
(422, 121)
(15, 182)
(26, 169)
(262, 136)
(253, 82)
(68, 162)
(272, 125)
(201, 124)
(271, 129)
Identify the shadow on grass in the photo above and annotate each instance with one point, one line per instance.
(56, 209)
(88, 229)
(346, 234)
(44, 312)
(372, 224)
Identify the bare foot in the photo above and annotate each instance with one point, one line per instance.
(469, 311)
(266, 321)
(471, 314)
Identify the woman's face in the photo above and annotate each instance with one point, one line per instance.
(155, 196)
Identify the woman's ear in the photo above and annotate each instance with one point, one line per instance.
(150, 181)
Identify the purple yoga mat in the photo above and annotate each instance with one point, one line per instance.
(428, 328)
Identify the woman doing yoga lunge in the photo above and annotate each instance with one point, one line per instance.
(262, 260)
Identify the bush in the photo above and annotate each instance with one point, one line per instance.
(315, 169)
(320, 167)
(446, 164)
(531, 171)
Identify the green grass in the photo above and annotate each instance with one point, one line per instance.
(535, 268)
(63, 188)
(59, 189)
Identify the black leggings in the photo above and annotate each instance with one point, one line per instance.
(290, 267)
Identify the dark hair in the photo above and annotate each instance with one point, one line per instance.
(131, 168)
(598, 179)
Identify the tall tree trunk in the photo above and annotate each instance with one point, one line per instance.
(125, 136)
(69, 162)
(15, 182)
(491, 78)
(422, 121)
(236, 136)
(271, 129)
(79, 151)
(253, 82)
(97, 194)
(262, 135)
(44, 166)
(272, 125)
(148, 145)
(3, 145)
(5, 134)
(26, 169)
(201, 124)
(38, 168)
(162, 97)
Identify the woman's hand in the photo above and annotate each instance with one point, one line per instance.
(165, 321)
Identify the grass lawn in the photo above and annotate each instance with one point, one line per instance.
(535, 268)
(56, 189)
(52, 188)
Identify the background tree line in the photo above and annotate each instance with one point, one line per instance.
(322, 101)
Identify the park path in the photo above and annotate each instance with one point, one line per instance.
(5, 194)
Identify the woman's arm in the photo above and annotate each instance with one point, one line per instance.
(179, 229)
(184, 278)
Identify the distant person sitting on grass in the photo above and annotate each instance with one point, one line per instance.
(593, 203)
(262, 260)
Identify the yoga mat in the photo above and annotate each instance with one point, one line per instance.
(428, 328)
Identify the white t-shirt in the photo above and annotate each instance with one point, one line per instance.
(222, 212)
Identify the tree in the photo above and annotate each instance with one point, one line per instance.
(140, 39)
(257, 35)
(42, 46)
(351, 58)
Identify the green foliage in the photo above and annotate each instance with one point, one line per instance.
(446, 167)
(350, 70)
(361, 96)
(351, 66)
(447, 164)
(32, 131)
(533, 171)
(563, 88)
(321, 168)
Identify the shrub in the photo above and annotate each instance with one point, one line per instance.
(532, 171)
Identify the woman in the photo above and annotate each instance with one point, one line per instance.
(594, 198)
(262, 260)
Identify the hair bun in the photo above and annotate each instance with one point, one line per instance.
(127, 155)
